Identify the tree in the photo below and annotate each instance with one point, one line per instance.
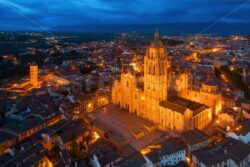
(235, 79)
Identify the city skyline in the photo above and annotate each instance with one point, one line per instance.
(124, 83)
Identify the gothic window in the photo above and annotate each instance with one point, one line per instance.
(152, 55)
(127, 84)
(149, 69)
(153, 70)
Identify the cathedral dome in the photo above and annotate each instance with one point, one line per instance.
(156, 42)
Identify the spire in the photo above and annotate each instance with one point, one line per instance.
(156, 42)
(156, 34)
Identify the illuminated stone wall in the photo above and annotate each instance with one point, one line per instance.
(146, 102)
(34, 75)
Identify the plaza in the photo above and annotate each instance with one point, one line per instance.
(121, 122)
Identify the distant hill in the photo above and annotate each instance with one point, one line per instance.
(168, 28)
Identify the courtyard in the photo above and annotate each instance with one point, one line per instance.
(123, 123)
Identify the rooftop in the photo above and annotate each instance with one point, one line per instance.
(171, 146)
(173, 106)
(156, 42)
(29, 157)
(243, 128)
(72, 131)
(134, 160)
(6, 136)
(186, 103)
(181, 105)
(228, 149)
(194, 136)
(104, 152)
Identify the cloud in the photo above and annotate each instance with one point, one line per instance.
(74, 12)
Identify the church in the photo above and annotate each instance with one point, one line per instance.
(145, 94)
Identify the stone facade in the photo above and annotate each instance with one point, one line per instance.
(34, 75)
(144, 93)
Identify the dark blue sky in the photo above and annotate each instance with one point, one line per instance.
(39, 14)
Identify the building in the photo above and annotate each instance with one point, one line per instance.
(220, 62)
(194, 140)
(241, 132)
(72, 134)
(229, 118)
(28, 85)
(208, 93)
(169, 152)
(230, 153)
(145, 92)
(32, 155)
(6, 141)
(228, 100)
(25, 124)
(103, 154)
(34, 75)
(137, 160)
(172, 152)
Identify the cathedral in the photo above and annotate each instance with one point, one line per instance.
(145, 94)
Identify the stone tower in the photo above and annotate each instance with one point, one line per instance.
(155, 78)
(34, 75)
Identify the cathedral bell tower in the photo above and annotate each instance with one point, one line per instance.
(155, 77)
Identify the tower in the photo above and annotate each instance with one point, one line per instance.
(34, 75)
(155, 78)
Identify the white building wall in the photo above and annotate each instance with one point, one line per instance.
(245, 139)
(173, 159)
